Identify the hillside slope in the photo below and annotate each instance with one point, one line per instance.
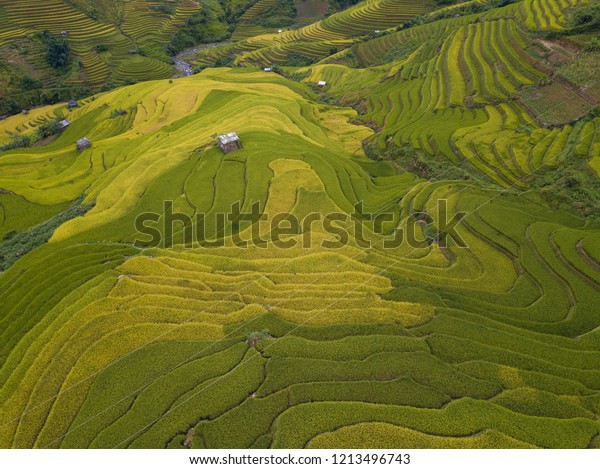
(493, 345)
(483, 334)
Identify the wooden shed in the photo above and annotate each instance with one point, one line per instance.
(63, 124)
(229, 142)
(72, 103)
(83, 143)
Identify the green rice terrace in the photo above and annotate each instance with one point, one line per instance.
(487, 108)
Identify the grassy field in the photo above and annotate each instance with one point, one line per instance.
(107, 341)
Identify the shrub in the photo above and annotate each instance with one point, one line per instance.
(593, 45)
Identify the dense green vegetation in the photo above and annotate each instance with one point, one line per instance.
(15, 245)
(483, 112)
(210, 24)
(58, 52)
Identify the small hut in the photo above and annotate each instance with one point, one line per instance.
(72, 103)
(64, 33)
(321, 83)
(63, 124)
(132, 51)
(229, 142)
(83, 143)
(268, 69)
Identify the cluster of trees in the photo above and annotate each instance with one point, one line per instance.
(58, 51)
(208, 25)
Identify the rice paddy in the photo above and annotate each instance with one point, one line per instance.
(101, 36)
(110, 341)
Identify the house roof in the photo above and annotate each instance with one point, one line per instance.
(64, 123)
(228, 138)
(322, 83)
(83, 142)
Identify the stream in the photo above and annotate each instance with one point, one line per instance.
(183, 67)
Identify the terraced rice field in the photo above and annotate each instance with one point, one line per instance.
(318, 38)
(247, 26)
(134, 25)
(107, 344)
(454, 96)
(110, 341)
